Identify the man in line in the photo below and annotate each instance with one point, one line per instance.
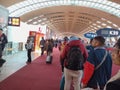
(97, 69)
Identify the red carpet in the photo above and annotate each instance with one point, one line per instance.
(36, 76)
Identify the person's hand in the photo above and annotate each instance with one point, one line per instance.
(83, 85)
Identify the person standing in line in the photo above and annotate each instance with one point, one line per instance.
(3, 42)
(73, 75)
(61, 47)
(114, 82)
(93, 76)
(62, 44)
(42, 45)
(29, 46)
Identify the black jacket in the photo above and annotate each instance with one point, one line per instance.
(3, 40)
(114, 85)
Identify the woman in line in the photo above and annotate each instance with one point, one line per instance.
(114, 82)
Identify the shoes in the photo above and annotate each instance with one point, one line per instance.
(28, 62)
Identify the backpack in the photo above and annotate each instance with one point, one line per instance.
(49, 48)
(74, 59)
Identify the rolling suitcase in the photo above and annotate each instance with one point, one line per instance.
(49, 59)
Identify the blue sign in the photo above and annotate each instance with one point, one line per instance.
(90, 35)
(108, 32)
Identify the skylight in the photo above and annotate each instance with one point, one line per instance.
(30, 5)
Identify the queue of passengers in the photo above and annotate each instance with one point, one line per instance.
(97, 69)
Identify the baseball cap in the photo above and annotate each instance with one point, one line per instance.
(74, 38)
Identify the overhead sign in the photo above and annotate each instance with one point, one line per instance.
(14, 21)
(108, 32)
(90, 35)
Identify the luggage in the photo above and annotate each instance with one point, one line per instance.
(49, 59)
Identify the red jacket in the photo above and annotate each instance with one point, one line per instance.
(74, 43)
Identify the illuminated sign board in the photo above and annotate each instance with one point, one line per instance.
(14, 21)
(90, 35)
(108, 32)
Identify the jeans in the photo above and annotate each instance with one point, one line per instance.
(62, 82)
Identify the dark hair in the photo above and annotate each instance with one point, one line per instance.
(117, 44)
(100, 39)
(91, 40)
(1, 29)
(65, 38)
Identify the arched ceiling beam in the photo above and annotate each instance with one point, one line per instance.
(28, 5)
(74, 16)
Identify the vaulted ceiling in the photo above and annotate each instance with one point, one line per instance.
(67, 17)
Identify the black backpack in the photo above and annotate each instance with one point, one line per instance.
(74, 59)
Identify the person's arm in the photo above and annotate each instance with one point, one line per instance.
(63, 56)
(62, 64)
(85, 53)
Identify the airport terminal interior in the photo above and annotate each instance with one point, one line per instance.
(51, 19)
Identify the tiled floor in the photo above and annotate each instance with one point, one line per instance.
(15, 62)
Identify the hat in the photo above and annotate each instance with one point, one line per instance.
(74, 38)
(1, 29)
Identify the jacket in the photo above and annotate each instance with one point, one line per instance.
(100, 76)
(3, 40)
(113, 83)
